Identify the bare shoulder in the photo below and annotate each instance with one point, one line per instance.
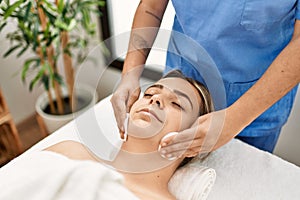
(73, 150)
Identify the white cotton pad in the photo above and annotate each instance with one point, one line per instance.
(126, 127)
(159, 147)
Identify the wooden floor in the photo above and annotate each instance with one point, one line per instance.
(29, 132)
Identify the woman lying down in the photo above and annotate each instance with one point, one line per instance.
(170, 105)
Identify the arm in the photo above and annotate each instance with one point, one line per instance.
(281, 76)
(148, 15)
(145, 26)
(215, 129)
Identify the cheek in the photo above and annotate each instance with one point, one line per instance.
(187, 122)
(136, 105)
(173, 121)
(178, 121)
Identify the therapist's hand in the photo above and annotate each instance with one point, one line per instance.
(123, 98)
(208, 133)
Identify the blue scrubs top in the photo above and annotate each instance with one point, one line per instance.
(242, 38)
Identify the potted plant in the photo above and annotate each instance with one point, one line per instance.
(47, 28)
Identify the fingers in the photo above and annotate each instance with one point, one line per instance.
(120, 109)
(187, 143)
(186, 135)
(186, 149)
(132, 99)
(119, 106)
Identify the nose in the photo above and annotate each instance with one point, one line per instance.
(157, 101)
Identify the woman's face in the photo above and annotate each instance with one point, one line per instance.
(171, 104)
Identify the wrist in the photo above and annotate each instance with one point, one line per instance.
(237, 119)
(134, 70)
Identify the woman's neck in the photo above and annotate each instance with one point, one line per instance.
(144, 169)
(150, 185)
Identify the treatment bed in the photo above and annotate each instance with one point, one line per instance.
(235, 171)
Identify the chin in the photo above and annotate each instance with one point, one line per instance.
(144, 129)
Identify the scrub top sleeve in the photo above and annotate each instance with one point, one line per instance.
(298, 10)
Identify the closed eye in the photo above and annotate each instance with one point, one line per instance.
(148, 95)
(177, 105)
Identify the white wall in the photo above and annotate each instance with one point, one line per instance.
(17, 96)
(288, 146)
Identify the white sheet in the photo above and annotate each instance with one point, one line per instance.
(47, 175)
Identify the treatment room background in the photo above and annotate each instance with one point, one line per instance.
(21, 102)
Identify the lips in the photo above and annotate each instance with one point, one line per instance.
(151, 112)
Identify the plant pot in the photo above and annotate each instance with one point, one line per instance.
(52, 122)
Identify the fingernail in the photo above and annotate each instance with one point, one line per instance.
(163, 151)
(164, 144)
(159, 147)
(125, 136)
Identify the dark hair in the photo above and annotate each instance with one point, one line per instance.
(206, 100)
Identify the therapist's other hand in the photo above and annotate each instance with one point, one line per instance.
(207, 134)
(123, 98)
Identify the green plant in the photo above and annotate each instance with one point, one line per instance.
(46, 28)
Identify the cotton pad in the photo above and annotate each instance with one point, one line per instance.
(125, 125)
(159, 147)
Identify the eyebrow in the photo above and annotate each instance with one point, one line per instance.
(175, 91)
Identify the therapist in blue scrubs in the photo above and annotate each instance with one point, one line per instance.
(256, 47)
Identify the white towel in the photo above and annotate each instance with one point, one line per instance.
(245, 172)
(192, 183)
(50, 176)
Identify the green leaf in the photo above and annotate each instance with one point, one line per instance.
(93, 2)
(26, 66)
(66, 8)
(11, 50)
(22, 51)
(60, 6)
(27, 34)
(62, 25)
(12, 8)
(72, 25)
(86, 18)
(58, 78)
(34, 36)
(50, 39)
(37, 78)
(35, 30)
(28, 8)
(68, 52)
(49, 6)
(45, 81)
(101, 3)
(50, 16)
(2, 26)
(50, 77)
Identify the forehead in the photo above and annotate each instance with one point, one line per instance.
(181, 85)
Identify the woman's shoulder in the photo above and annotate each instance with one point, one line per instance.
(73, 150)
